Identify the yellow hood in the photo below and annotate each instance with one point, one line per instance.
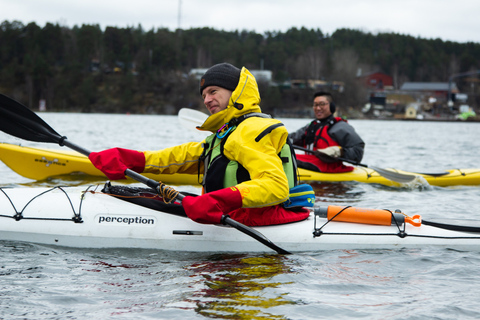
(245, 99)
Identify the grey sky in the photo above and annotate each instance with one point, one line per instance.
(447, 20)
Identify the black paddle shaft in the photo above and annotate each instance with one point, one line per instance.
(391, 175)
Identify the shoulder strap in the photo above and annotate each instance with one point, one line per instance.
(237, 121)
(328, 124)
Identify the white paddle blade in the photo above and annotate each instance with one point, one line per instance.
(190, 118)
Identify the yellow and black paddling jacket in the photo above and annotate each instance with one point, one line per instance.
(254, 146)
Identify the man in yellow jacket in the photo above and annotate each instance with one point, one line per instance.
(244, 171)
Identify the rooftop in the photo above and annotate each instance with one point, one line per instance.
(428, 86)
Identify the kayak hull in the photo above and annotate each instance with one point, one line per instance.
(48, 215)
(451, 177)
(40, 164)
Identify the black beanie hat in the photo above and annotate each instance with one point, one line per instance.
(223, 75)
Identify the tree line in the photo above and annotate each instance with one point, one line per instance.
(87, 69)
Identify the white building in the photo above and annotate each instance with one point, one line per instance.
(260, 75)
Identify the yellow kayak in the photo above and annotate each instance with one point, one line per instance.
(40, 164)
(452, 177)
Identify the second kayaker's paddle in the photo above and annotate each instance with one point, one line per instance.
(190, 118)
(19, 121)
(391, 175)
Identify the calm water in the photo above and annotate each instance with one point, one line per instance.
(42, 282)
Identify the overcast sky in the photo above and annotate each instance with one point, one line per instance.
(448, 20)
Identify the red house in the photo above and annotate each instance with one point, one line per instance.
(377, 80)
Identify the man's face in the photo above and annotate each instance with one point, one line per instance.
(321, 107)
(216, 98)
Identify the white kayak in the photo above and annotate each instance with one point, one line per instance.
(89, 218)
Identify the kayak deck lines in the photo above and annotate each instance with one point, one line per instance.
(401, 227)
(318, 232)
(400, 235)
(19, 215)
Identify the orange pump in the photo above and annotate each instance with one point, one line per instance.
(367, 216)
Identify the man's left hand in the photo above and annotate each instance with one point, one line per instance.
(210, 207)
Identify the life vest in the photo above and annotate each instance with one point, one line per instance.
(221, 172)
(317, 137)
(316, 134)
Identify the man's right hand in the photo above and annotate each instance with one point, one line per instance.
(114, 162)
(328, 155)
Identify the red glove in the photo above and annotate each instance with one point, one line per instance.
(210, 207)
(114, 162)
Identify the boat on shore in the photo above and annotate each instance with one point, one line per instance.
(125, 217)
(41, 164)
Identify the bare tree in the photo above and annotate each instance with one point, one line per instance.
(203, 58)
(345, 66)
(310, 65)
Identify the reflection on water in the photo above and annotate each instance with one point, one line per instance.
(326, 191)
(240, 287)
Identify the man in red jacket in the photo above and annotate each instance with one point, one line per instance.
(330, 137)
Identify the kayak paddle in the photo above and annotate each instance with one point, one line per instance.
(190, 118)
(19, 121)
(391, 175)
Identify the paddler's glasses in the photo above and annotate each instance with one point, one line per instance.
(321, 104)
